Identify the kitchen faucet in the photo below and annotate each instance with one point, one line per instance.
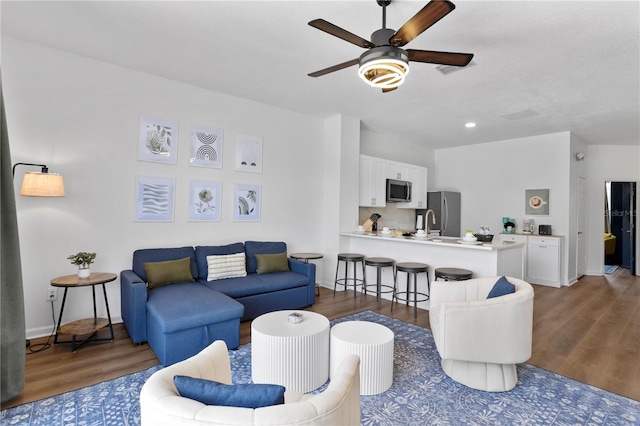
(433, 219)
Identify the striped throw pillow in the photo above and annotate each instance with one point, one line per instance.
(226, 266)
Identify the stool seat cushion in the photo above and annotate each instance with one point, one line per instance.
(412, 267)
(379, 261)
(350, 257)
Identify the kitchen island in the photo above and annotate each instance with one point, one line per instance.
(483, 259)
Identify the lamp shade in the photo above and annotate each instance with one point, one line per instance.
(42, 185)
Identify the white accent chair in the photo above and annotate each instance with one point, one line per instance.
(160, 403)
(480, 340)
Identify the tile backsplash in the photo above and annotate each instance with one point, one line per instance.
(391, 216)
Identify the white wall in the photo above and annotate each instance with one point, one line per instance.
(607, 163)
(493, 177)
(80, 117)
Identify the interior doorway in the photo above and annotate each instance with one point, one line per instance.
(620, 224)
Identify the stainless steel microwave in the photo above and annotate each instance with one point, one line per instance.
(398, 191)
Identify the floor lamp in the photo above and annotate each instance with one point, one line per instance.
(42, 184)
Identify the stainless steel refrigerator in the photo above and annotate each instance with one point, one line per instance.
(446, 205)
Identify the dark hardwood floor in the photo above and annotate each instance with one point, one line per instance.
(589, 332)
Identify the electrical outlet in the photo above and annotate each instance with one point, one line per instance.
(52, 294)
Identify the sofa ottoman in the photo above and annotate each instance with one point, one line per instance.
(182, 319)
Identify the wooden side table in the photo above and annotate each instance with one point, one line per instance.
(89, 326)
(306, 257)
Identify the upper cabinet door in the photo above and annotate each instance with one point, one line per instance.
(372, 182)
(399, 171)
(418, 179)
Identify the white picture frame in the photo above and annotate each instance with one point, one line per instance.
(157, 140)
(204, 201)
(206, 147)
(154, 199)
(246, 202)
(248, 153)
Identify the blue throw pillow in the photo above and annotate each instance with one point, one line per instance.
(243, 395)
(501, 287)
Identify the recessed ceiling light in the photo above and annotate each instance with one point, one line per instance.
(470, 124)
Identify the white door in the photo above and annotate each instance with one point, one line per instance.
(581, 244)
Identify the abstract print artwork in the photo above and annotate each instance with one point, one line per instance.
(206, 147)
(248, 153)
(246, 202)
(204, 200)
(158, 140)
(154, 199)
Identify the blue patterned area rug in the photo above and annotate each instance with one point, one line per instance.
(421, 394)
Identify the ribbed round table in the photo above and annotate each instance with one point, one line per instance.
(373, 343)
(292, 355)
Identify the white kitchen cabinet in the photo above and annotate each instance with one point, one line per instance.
(396, 170)
(514, 238)
(372, 182)
(544, 260)
(543, 257)
(418, 179)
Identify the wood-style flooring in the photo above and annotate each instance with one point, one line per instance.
(589, 332)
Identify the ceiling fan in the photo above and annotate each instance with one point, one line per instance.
(385, 64)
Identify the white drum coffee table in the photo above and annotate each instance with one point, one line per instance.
(295, 356)
(373, 343)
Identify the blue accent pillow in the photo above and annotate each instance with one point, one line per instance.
(501, 287)
(210, 392)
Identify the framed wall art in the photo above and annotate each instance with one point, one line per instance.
(154, 199)
(204, 200)
(157, 140)
(536, 202)
(248, 153)
(206, 147)
(246, 202)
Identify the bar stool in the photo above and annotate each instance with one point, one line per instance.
(453, 274)
(412, 268)
(347, 258)
(379, 263)
(306, 257)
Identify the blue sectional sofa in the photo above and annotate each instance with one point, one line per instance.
(181, 318)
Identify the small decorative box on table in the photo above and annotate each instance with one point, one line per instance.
(90, 326)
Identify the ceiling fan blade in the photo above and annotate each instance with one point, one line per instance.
(426, 17)
(334, 68)
(444, 58)
(336, 31)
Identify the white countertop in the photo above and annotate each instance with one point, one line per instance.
(450, 242)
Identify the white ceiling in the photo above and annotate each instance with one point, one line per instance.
(542, 66)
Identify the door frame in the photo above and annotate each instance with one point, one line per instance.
(633, 225)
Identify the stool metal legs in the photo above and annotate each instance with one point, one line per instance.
(409, 297)
(345, 281)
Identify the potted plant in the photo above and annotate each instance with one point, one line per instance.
(82, 260)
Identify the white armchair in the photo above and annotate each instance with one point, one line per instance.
(480, 340)
(160, 403)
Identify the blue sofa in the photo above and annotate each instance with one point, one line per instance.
(180, 319)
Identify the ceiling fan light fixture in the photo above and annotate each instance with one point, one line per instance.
(384, 67)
